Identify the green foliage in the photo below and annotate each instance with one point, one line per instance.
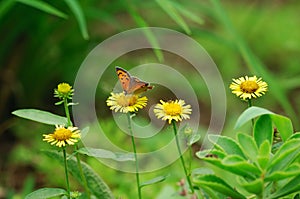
(97, 186)
(258, 170)
(102, 153)
(46, 193)
(41, 116)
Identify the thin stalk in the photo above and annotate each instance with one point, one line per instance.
(67, 111)
(66, 172)
(249, 105)
(88, 193)
(135, 158)
(181, 157)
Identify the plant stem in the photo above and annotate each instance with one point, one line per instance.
(181, 157)
(82, 174)
(135, 158)
(67, 111)
(66, 172)
(249, 105)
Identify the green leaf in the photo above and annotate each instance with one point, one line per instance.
(218, 185)
(227, 144)
(248, 146)
(96, 185)
(46, 193)
(202, 171)
(249, 114)
(101, 153)
(292, 170)
(292, 186)
(263, 130)
(264, 154)
(237, 163)
(41, 116)
(187, 13)
(77, 11)
(5, 6)
(172, 12)
(255, 186)
(153, 181)
(148, 33)
(295, 136)
(45, 7)
(195, 137)
(283, 125)
(286, 154)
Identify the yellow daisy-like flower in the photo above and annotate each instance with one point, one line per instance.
(172, 110)
(63, 136)
(248, 87)
(119, 102)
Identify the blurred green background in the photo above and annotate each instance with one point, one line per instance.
(44, 43)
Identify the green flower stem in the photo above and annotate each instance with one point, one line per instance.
(67, 111)
(66, 171)
(249, 105)
(88, 193)
(135, 157)
(181, 158)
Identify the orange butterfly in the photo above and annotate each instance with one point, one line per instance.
(131, 84)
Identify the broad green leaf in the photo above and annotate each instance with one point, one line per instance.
(291, 187)
(249, 114)
(237, 163)
(102, 153)
(46, 193)
(256, 186)
(283, 125)
(153, 181)
(248, 146)
(5, 6)
(295, 136)
(41, 116)
(77, 11)
(292, 170)
(217, 184)
(263, 130)
(227, 144)
(195, 137)
(43, 6)
(286, 154)
(264, 154)
(173, 13)
(96, 185)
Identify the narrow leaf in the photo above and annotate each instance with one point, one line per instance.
(255, 186)
(237, 163)
(96, 185)
(291, 187)
(153, 181)
(46, 193)
(41, 116)
(172, 12)
(263, 130)
(77, 11)
(45, 7)
(248, 146)
(292, 170)
(264, 154)
(101, 153)
(249, 114)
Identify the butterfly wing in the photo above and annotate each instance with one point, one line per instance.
(130, 84)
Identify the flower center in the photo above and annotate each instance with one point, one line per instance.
(64, 88)
(249, 86)
(172, 109)
(127, 100)
(62, 134)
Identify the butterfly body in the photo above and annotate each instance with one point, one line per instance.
(131, 84)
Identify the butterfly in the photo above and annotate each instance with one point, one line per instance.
(131, 84)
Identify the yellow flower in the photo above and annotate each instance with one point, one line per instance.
(64, 88)
(248, 87)
(172, 110)
(63, 136)
(119, 102)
